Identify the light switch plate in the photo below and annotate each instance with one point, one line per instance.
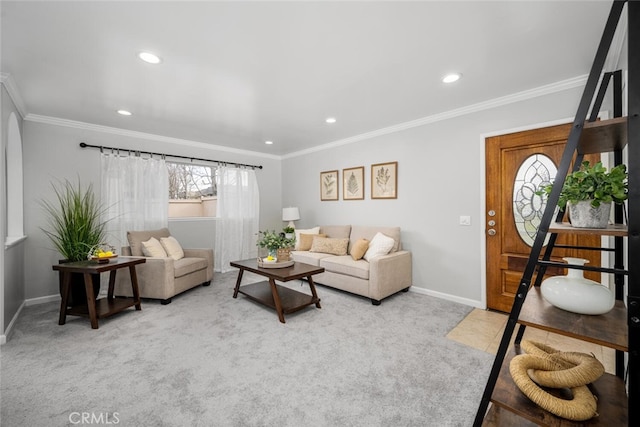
(465, 220)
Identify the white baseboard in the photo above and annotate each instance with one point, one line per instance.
(42, 300)
(9, 330)
(26, 303)
(448, 297)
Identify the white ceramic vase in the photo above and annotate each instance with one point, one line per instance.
(577, 294)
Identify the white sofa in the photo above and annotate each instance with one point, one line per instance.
(375, 279)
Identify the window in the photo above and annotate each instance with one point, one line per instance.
(193, 190)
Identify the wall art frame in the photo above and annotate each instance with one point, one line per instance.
(329, 185)
(353, 183)
(384, 180)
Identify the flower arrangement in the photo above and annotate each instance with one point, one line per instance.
(273, 241)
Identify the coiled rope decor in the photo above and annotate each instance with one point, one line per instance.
(548, 367)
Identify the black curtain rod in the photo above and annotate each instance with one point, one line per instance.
(102, 147)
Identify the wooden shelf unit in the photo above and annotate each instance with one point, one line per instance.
(609, 330)
(603, 136)
(503, 403)
(611, 230)
(609, 390)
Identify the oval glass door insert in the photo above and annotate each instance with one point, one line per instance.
(535, 172)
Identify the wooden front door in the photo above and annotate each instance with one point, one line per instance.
(516, 165)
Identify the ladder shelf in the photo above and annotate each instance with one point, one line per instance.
(503, 403)
(609, 389)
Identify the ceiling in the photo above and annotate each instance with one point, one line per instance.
(238, 73)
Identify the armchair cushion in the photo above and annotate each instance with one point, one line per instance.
(172, 247)
(153, 248)
(136, 238)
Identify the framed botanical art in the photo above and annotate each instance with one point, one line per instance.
(384, 180)
(353, 183)
(329, 185)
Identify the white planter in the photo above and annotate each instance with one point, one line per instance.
(577, 294)
(583, 215)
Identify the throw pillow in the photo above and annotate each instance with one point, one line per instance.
(359, 248)
(306, 240)
(380, 245)
(153, 248)
(172, 247)
(314, 230)
(327, 245)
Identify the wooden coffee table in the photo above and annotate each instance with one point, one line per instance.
(281, 298)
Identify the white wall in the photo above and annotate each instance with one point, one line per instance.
(440, 177)
(52, 152)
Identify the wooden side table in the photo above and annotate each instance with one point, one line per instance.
(103, 307)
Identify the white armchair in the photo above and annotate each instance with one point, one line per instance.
(163, 277)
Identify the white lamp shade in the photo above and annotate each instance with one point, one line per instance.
(290, 214)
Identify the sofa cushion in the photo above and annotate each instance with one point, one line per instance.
(136, 238)
(330, 246)
(347, 266)
(359, 249)
(314, 230)
(153, 248)
(380, 245)
(311, 258)
(185, 266)
(336, 231)
(306, 240)
(367, 232)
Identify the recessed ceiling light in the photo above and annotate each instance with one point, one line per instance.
(149, 57)
(330, 120)
(268, 142)
(124, 113)
(450, 78)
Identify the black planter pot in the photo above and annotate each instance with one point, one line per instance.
(77, 290)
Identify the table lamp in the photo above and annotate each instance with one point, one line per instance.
(290, 214)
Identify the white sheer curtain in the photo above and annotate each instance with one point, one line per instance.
(238, 213)
(135, 193)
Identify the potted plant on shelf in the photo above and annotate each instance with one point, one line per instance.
(75, 228)
(277, 245)
(588, 193)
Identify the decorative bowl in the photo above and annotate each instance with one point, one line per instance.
(103, 259)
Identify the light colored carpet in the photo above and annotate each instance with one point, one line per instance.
(207, 359)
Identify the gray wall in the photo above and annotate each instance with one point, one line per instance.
(52, 152)
(440, 177)
(13, 257)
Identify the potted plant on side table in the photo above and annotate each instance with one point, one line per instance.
(588, 193)
(75, 227)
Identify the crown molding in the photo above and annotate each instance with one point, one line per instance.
(143, 135)
(7, 81)
(560, 86)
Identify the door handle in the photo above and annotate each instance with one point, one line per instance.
(491, 232)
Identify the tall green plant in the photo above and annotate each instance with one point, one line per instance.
(75, 225)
